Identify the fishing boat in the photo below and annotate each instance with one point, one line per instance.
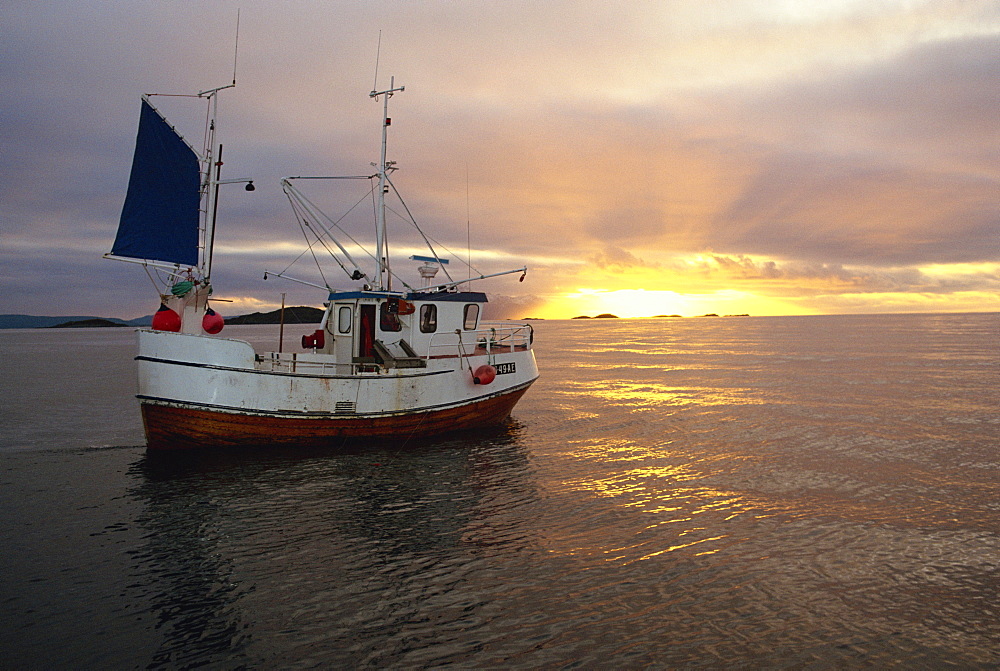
(385, 364)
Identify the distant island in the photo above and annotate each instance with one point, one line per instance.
(293, 315)
(610, 316)
(296, 315)
(35, 322)
(96, 322)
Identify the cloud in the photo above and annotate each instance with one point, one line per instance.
(810, 147)
(888, 164)
(797, 278)
(807, 208)
(501, 306)
(617, 259)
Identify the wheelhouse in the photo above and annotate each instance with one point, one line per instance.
(399, 330)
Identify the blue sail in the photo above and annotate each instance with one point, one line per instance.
(160, 217)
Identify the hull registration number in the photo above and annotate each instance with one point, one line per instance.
(505, 368)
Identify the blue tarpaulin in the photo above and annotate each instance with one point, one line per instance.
(160, 217)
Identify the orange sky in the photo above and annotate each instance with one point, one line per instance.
(679, 157)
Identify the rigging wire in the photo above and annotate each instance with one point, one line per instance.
(306, 211)
(318, 213)
(309, 211)
(437, 242)
(415, 225)
(468, 223)
(302, 216)
(303, 225)
(151, 279)
(428, 238)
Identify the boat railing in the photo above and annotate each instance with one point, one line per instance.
(305, 363)
(492, 337)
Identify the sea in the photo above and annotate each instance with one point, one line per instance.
(817, 492)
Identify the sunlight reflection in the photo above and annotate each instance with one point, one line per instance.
(684, 515)
(607, 450)
(674, 548)
(649, 394)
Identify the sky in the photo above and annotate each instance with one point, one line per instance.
(778, 157)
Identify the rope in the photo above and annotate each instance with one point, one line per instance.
(150, 276)
(461, 352)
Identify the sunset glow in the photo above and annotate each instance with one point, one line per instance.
(679, 158)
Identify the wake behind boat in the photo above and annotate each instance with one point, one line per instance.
(384, 364)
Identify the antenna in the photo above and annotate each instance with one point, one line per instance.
(236, 50)
(378, 52)
(468, 220)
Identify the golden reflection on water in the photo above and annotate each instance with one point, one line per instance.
(652, 481)
(681, 546)
(613, 450)
(651, 393)
(635, 480)
(674, 514)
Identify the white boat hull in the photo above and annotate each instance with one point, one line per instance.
(200, 390)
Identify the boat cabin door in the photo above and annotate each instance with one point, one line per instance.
(341, 327)
(366, 332)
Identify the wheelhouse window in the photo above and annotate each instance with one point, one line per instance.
(471, 316)
(344, 319)
(389, 316)
(428, 318)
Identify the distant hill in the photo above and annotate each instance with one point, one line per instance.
(89, 324)
(36, 322)
(296, 315)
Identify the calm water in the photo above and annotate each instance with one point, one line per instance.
(811, 492)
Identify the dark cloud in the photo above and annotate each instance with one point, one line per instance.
(814, 208)
(890, 165)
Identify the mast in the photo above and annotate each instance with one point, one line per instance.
(213, 166)
(383, 168)
(213, 171)
(213, 179)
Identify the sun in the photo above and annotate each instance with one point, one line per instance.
(644, 303)
(621, 303)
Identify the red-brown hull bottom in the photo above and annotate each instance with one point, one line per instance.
(172, 427)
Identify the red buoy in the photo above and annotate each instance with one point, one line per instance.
(166, 319)
(484, 374)
(212, 322)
